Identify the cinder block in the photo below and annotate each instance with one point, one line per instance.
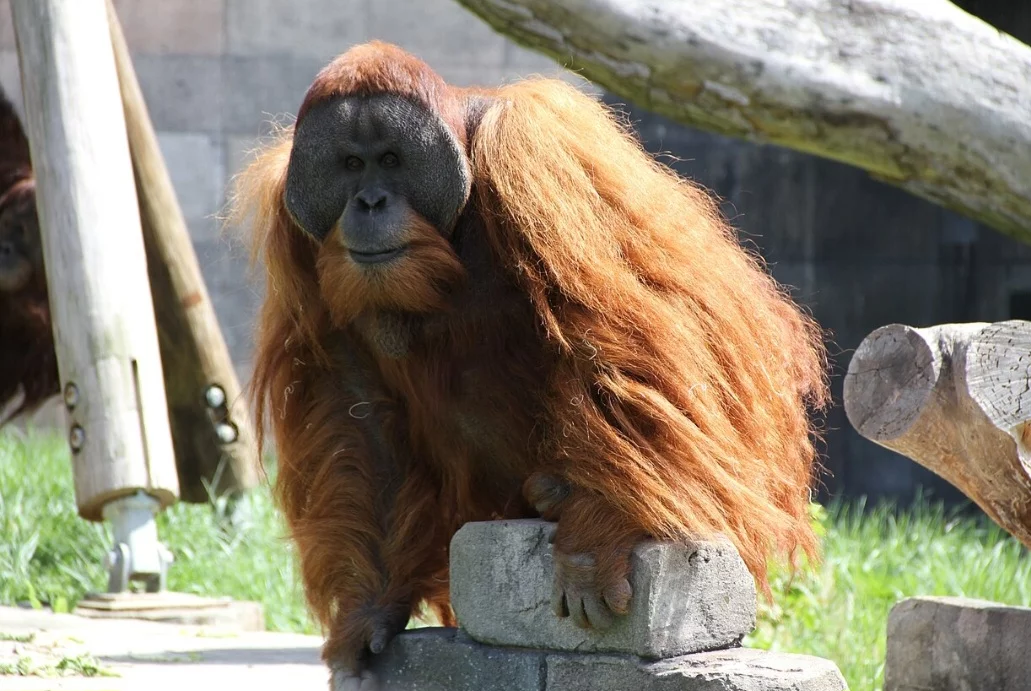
(687, 598)
(261, 90)
(7, 41)
(447, 660)
(439, 659)
(740, 669)
(441, 32)
(185, 27)
(957, 644)
(10, 79)
(317, 29)
(183, 93)
(235, 299)
(528, 61)
(195, 164)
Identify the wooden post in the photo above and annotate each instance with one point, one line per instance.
(956, 399)
(211, 428)
(106, 341)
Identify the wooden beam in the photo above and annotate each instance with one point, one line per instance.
(956, 399)
(214, 442)
(921, 94)
(103, 318)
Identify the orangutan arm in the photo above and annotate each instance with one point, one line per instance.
(358, 508)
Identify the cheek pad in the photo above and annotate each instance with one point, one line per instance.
(313, 197)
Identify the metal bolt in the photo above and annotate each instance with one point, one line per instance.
(215, 395)
(71, 395)
(77, 438)
(226, 432)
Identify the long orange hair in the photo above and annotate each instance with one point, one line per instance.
(681, 377)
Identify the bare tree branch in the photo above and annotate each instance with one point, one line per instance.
(920, 94)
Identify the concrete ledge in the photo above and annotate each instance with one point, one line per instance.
(447, 660)
(174, 608)
(957, 644)
(687, 598)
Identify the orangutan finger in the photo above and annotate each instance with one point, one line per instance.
(618, 596)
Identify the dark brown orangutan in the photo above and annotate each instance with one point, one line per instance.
(28, 364)
(494, 304)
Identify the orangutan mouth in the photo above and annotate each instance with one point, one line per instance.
(377, 257)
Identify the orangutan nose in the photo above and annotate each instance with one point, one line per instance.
(371, 200)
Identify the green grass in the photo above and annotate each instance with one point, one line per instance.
(837, 610)
(49, 555)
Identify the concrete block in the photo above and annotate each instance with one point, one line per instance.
(441, 32)
(957, 644)
(183, 92)
(440, 659)
(317, 29)
(240, 151)
(7, 41)
(447, 660)
(528, 61)
(185, 27)
(171, 607)
(687, 598)
(10, 79)
(740, 669)
(195, 163)
(261, 90)
(224, 267)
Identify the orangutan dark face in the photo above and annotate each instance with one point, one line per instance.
(21, 253)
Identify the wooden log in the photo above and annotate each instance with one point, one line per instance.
(955, 398)
(103, 318)
(921, 94)
(214, 442)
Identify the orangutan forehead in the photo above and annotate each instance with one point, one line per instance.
(369, 119)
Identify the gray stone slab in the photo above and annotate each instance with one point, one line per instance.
(191, 27)
(133, 655)
(7, 41)
(447, 660)
(957, 644)
(439, 659)
(234, 295)
(195, 163)
(10, 79)
(740, 669)
(441, 32)
(318, 29)
(261, 90)
(687, 598)
(183, 92)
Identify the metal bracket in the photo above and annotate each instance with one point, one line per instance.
(137, 555)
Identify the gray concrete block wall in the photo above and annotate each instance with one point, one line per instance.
(217, 73)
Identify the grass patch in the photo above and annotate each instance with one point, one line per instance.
(49, 555)
(872, 558)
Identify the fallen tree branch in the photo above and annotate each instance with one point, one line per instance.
(920, 94)
(956, 399)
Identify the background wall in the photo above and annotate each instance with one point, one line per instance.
(859, 253)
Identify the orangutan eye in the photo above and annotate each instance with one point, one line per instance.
(354, 163)
(389, 160)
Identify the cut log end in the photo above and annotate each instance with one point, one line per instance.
(889, 379)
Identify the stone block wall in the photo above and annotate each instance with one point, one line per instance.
(859, 253)
(216, 73)
(692, 604)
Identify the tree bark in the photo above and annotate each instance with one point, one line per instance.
(955, 398)
(920, 94)
(215, 449)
